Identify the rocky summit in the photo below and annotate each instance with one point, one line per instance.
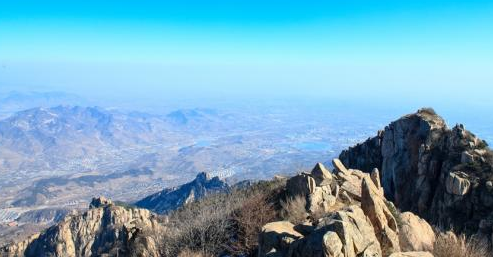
(444, 175)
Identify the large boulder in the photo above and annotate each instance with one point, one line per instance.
(384, 223)
(415, 234)
(349, 180)
(340, 168)
(457, 184)
(321, 199)
(276, 237)
(332, 245)
(301, 184)
(321, 175)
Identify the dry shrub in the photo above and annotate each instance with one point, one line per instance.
(250, 217)
(221, 223)
(294, 209)
(450, 245)
(203, 227)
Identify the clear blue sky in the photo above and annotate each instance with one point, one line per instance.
(383, 50)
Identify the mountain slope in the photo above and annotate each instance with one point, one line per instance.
(344, 212)
(49, 135)
(173, 198)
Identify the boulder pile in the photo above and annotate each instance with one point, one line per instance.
(348, 215)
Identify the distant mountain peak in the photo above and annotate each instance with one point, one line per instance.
(171, 199)
(185, 116)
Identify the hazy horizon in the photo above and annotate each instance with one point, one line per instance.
(405, 53)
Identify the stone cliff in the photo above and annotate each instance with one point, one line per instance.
(442, 174)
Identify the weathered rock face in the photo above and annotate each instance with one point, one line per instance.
(415, 234)
(456, 183)
(104, 229)
(301, 184)
(439, 173)
(321, 199)
(172, 198)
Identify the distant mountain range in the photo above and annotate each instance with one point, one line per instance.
(54, 135)
(377, 201)
(16, 101)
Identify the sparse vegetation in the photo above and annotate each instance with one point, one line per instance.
(427, 110)
(482, 144)
(450, 245)
(125, 205)
(395, 212)
(256, 211)
(222, 223)
(294, 209)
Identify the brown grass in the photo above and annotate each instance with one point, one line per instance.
(450, 245)
(294, 209)
(190, 253)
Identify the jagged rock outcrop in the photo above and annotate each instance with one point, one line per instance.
(105, 228)
(385, 225)
(439, 173)
(321, 175)
(172, 198)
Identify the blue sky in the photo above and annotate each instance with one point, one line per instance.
(418, 52)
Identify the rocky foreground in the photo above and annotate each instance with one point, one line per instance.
(346, 215)
(394, 195)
